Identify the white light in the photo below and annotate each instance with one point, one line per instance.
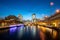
(57, 10)
(46, 16)
(51, 3)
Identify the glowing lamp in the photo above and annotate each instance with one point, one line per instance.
(57, 11)
(51, 3)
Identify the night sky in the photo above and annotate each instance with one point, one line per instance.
(27, 7)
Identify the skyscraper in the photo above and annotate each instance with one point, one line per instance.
(20, 17)
(34, 17)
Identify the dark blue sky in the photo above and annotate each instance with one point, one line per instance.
(27, 7)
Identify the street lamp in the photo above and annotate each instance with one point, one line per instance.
(57, 11)
(51, 8)
(51, 4)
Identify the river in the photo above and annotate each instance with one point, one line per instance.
(21, 33)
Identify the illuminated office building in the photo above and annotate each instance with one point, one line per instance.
(33, 17)
(20, 17)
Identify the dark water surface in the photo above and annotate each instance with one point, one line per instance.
(20, 33)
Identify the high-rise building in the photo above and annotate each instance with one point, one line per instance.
(34, 17)
(20, 17)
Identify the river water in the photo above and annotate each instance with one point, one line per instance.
(20, 33)
(23, 33)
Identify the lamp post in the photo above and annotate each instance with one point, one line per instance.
(57, 11)
(51, 4)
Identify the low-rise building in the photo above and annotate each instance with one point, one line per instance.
(54, 20)
(7, 22)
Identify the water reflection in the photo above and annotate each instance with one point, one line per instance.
(26, 31)
(20, 31)
(27, 27)
(33, 29)
(12, 30)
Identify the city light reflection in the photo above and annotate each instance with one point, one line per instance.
(12, 30)
(33, 29)
(20, 31)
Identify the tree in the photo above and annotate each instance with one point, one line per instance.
(11, 17)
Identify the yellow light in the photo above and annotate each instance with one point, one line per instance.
(54, 24)
(49, 30)
(54, 34)
(43, 29)
(44, 23)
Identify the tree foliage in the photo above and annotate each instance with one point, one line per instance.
(11, 17)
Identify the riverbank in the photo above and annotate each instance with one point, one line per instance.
(4, 27)
(11, 26)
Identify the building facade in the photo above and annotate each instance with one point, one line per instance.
(54, 20)
(7, 22)
(20, 17)
(33, 17)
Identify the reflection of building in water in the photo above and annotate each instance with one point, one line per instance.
(54, 19)
(20, 17)
(33, 17)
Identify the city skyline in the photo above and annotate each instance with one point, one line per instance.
(27, 7)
